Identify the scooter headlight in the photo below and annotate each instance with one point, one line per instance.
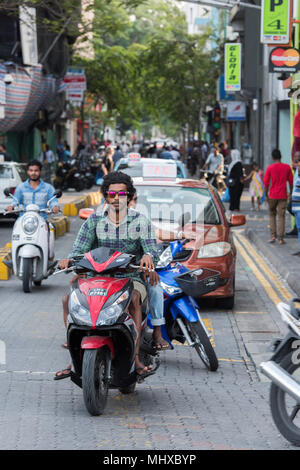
(109, 315)
(170, 290)
(30, 224)
(79, 314)
(165, 258)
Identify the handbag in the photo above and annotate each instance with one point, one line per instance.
(231, 182)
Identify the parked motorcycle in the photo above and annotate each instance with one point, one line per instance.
(68, 176)
(181, 311)
(283, 369)
(32, 244)
(101, 333)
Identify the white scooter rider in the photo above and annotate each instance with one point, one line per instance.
(35, 191)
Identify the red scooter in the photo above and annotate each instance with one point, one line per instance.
(101, 333)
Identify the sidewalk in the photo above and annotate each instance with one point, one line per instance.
(280, 256)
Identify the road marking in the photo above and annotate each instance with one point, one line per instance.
(278, 284)
(248, 312)
(264, 282)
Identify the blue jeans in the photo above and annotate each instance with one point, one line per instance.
(297, 217)
(156, 304)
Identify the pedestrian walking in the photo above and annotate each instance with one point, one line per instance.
(296, 197)
(256, 188)
(275, 181)
(47, 158)
(108, 163)
(4, 157)
(235, 180)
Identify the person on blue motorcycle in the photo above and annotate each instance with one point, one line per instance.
(123, 229)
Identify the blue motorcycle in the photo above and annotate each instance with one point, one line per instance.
(181, 311)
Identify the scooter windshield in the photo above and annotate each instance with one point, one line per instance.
(102, 260)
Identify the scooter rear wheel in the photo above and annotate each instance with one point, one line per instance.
(27, 275)
(94, 379)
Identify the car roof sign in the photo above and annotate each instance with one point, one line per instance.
(164, 170)
(134, 156)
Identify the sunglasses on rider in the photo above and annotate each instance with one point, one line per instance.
(113, 194)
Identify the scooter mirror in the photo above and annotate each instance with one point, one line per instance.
(7, 192)
(58, 193)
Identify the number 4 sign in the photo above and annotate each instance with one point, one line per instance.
(275, 21)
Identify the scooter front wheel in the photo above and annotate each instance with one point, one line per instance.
(203, 345)
(94, 379)
(27, 275)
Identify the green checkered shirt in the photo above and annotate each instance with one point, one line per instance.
(135, 235)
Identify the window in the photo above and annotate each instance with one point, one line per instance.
(6, 171)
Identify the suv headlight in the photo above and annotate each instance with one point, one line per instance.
(165, 258)
(80, 314)
(109, 315)
(30, 224)
(214, 250)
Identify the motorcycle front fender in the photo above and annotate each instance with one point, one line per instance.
(184, 307)
(96, 342)
(29, 251)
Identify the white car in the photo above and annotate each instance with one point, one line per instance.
(11, 175)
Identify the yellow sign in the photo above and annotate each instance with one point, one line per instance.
(275, 21)
(232, 66)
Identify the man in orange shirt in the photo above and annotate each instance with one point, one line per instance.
(278, 174)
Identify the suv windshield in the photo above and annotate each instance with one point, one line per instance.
(169, 203)
(6, 171)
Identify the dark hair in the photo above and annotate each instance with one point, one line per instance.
(255, 164)
(276, 154)
(34, 163)
(117, 177)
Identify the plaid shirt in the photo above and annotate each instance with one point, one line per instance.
(135, 235)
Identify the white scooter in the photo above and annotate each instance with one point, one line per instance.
(32, 244)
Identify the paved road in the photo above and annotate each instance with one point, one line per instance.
(182, 407)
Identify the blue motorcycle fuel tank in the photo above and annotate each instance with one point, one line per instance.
(167, 276)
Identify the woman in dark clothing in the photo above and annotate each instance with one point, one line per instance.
(235, 180)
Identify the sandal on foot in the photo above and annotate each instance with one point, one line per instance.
(272, 240)
(65, 345)
(160, 345)
(281, 242)
(64, 374)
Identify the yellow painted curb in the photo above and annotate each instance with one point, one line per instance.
(5, 272)
(92, 199)
(61, 224)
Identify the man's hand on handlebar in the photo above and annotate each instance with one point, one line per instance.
(55, 209)
(64, 263)
(146, 263)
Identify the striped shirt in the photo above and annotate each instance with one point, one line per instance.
(296, 193)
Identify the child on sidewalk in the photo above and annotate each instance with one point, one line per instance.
(256, 187)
